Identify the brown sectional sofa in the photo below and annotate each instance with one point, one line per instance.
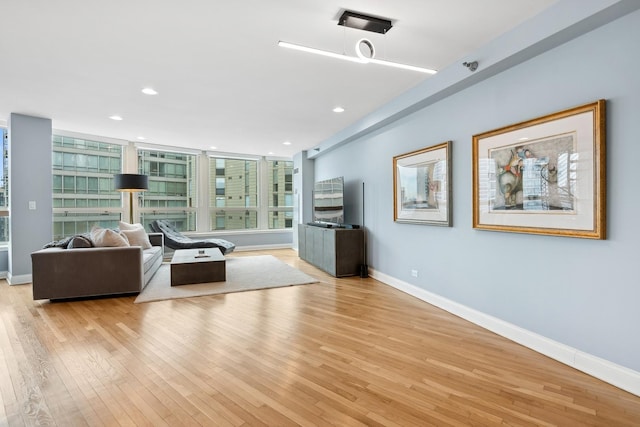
(83, 272)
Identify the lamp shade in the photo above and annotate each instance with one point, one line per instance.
(131, 182)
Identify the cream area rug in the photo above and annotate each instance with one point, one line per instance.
(243, 274)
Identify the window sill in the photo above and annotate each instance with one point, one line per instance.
(233, 232)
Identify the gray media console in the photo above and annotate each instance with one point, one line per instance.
(338, 251)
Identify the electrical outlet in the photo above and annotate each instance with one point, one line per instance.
(414, 273)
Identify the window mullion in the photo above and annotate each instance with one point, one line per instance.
(203, 215)
(263, 194)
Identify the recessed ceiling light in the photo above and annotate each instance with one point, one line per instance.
(270, 153)
(523, 138)
(149, 91)
(338, 110)
(115, 117)
(141, 138)
(286, 143)
(213, 148)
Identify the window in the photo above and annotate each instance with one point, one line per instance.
(83, 190)
(233, 194)
(4, 189)
(281, 196)
(172, 193)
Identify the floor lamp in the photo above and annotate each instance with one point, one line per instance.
(131, 183)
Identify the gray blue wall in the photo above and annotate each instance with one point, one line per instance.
(303, 180)
(29, 182)
(578, 292)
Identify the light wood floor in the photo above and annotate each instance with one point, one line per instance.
(341, 352)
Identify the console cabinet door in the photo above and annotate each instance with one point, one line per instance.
(348, 252)
(317, 256)
(329, 255)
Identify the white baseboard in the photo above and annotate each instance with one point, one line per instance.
(619, 376)
(263, 247)
(18, 279)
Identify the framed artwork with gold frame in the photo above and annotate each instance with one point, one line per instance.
(422, 186)
(543, 176)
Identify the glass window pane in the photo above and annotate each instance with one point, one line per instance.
(81, 184)
(181, 220)
(68, 224)
(237, 179)
(234, 220)
(68, 184)
(172, 184)
(88, 182)
(281, 190)
(92, 184)
(280, 182)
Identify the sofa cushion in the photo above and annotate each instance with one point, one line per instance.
(137, 237)
(149, 256)
(105, 237)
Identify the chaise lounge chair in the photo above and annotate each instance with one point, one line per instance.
(176, 240)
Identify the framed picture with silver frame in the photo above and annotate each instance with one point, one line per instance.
(543, 176)
(422, 186)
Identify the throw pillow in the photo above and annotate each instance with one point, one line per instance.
(63, 243)
(137, 237)
(126, 226)
(79, 242)
(105, 237)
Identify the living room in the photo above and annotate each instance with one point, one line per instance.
(572, 299)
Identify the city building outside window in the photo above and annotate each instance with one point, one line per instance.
(172, 193)
(280, 185)
(233, 194)
(83, 189)
(244, 194)
(4, 190)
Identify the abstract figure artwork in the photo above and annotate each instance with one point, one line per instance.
(543, 176)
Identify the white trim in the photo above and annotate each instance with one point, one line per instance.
(619, 376)
(96, 138)
(216, 233)
(3, 274)
(18, 280)
(202, 185)
(233, 156)
(263, 194)
(278, 159)
(263, 247)
(166, 148)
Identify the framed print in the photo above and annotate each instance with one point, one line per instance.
(543, 176)
(422, 186)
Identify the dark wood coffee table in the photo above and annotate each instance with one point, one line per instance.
(197, 266)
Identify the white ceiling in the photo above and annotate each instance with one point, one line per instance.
(222, 79)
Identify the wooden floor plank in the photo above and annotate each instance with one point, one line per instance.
(345, 351)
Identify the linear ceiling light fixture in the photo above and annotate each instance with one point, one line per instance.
(361, 22)
(320, 52)
(359, 59)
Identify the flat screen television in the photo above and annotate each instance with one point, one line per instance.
(328, 201)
